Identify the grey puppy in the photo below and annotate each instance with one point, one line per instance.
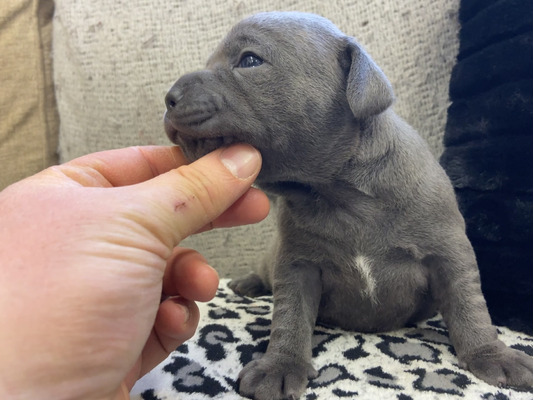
(370, 236)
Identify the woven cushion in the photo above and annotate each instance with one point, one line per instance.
(114, 62)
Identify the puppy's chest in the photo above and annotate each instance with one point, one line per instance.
(350, 243)
(353, 227)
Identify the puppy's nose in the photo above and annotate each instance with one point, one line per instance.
(173, 97)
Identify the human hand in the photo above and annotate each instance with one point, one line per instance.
(88, 249)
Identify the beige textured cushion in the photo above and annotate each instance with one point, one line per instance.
(114, 62)
(29, 122)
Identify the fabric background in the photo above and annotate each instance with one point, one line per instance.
(28, 116)
(115, 61)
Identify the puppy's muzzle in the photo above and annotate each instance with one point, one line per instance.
(190, 102)
(172, 98)
(194, 112)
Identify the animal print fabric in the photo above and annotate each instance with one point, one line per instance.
(413, 363)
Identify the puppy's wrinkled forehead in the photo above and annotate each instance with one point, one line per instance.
(272, 31)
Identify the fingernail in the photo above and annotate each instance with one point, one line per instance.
(186, 312)
(241, 160)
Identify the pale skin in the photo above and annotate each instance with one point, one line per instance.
(88, 251)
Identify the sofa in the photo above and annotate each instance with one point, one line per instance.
(79, 77)
(110, 66)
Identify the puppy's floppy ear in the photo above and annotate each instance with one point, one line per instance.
(368, 90)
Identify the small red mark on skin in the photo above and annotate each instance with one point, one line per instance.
(183, 203)
(180, 206)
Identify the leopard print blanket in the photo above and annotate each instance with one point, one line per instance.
(414, 363)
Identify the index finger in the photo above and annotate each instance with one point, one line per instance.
(131, 165)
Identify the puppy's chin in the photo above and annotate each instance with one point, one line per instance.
(196, 144)
(196, 148)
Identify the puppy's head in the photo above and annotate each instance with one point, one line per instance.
(290, 84)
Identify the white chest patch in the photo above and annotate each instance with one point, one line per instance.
(364, 267)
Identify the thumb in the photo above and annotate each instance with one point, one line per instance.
(189, 197)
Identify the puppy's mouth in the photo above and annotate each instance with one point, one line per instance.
(194, 143)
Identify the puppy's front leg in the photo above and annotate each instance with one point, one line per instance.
(456, 286)
(284, 370)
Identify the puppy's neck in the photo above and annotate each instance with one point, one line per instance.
(379, 140)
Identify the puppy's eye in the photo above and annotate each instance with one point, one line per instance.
(250, 60)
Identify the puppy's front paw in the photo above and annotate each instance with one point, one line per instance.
(499, 365)
(275, 377)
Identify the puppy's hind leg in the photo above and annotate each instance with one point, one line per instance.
(250, 285)
(257, 283)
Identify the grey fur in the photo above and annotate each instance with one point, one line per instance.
(370, 236)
